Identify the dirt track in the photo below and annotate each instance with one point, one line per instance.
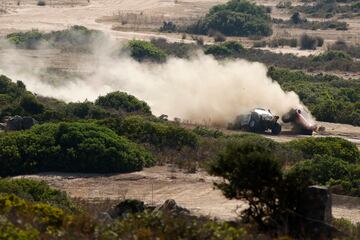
(155, 185)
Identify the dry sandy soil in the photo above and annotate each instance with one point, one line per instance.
(154, 185)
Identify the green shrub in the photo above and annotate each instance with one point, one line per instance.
(10, 231)
(123, 102)
(71, 147)
(324, 168)
(141, 51)
(160, 134)
(205, 132)
(235, 18)
(31, 105)
(35, 191)
(328, 97)
(327, 146)
(251, 172)
(28, 40)
(226, 49)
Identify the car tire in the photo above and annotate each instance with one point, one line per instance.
(276, 130)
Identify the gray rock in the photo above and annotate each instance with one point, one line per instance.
(170, 206)
(14, 123)
(28, 122)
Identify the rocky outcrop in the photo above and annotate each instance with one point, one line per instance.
(17, 123)
(171, 207)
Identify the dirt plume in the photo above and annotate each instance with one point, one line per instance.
(197, 89)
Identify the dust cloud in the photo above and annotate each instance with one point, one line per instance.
(199, 89)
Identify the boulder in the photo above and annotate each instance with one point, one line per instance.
(28, 122)
(14, 123)
(171, 207)
(126, 207)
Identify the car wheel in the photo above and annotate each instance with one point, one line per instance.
(276, 130)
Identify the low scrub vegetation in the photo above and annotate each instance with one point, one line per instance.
(123, 102)
(297, 21)
(330, 8)
(252, 172)
(75, 38)
(36, 191)
(158, 133)
(329, 98)
(145, 51)
(70, 147)
(235, 18)
(352, 50)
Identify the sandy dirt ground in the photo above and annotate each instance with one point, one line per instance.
(157, 184)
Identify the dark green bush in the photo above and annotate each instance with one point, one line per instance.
(71, 147)
(30, 104)
(323, 168)
(251, 172)
(235, 18)
(160, 134)
(122, 101)
(226, 49)
(142, 51)
(327, 146)
(308, 42)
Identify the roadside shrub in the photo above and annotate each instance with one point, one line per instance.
(323, 168)
(328, 97)
(327, 146)
(70, 147)
(160, 134)
(205, 132)
(122, 101)
(145, 51)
